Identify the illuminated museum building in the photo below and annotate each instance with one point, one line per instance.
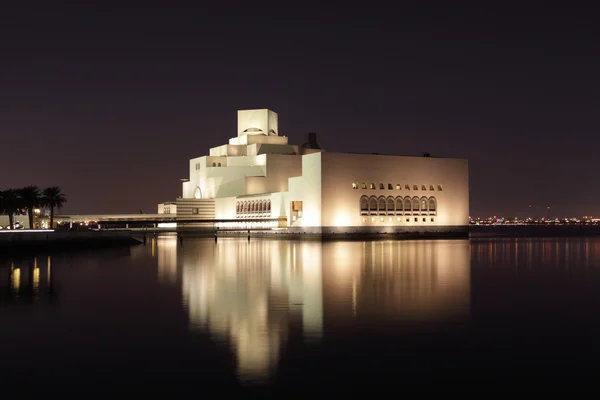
(259, 180)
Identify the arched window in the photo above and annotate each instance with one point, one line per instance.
(238, 207)
(364, 205)
(268, 205)
(381, 186)
(214, 164)
(399, 205)
(391, 206)
(245, 207)
(219, 164)
(432, 205)
(415, 204)
(381, 205)
(373, 205)
(197, 193)
(424, 203)
(407, 204)
(371, 186)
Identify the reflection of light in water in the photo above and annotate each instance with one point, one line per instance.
(250, 293)
(36, 275)
(417, 281)
(16, 278)
(167, 258)
(49, 269)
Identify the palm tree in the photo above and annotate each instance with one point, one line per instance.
(10, 205)
(53, 197)
(30, 198)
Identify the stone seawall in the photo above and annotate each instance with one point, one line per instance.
(355, 233)
(24, 241)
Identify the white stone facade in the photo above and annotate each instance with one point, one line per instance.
(258, 176)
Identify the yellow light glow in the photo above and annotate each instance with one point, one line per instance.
(36, 278)
(16, 278)
(342, 219)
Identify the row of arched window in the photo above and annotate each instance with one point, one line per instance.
(397, 205)
(253, 207)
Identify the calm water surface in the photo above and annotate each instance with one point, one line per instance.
(486, 315)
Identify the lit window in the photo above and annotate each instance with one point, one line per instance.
(364, 220)
(372, 186)
(364, 185)
(381, 186)
(398, 219)
(381, 219)
(354, 185)
(432, 204)
(373, 219)
(398, 186)
(423, 187)
(390, 186)
(439, 188)
(364, 205)
(390, 219)
(415, 187)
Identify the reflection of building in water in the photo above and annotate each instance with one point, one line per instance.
(164, 248)
(251, 293)
(412, 281)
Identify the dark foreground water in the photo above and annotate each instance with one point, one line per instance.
(268, 315)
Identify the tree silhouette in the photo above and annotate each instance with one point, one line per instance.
(9, 204)
(53, 197)
(30, 197)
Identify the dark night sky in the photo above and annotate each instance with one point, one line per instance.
(110, 103)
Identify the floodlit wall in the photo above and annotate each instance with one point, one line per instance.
(448, 177)
(307, 188)
(279, 169)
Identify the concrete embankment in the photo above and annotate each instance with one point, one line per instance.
(327, 236)
(36, 241)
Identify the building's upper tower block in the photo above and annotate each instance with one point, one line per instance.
(257, 122)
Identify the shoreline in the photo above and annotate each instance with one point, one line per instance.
(58, 241)
(23, 241)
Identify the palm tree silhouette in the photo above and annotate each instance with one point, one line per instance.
(30, 197)
(9, 203)
(53, 197)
